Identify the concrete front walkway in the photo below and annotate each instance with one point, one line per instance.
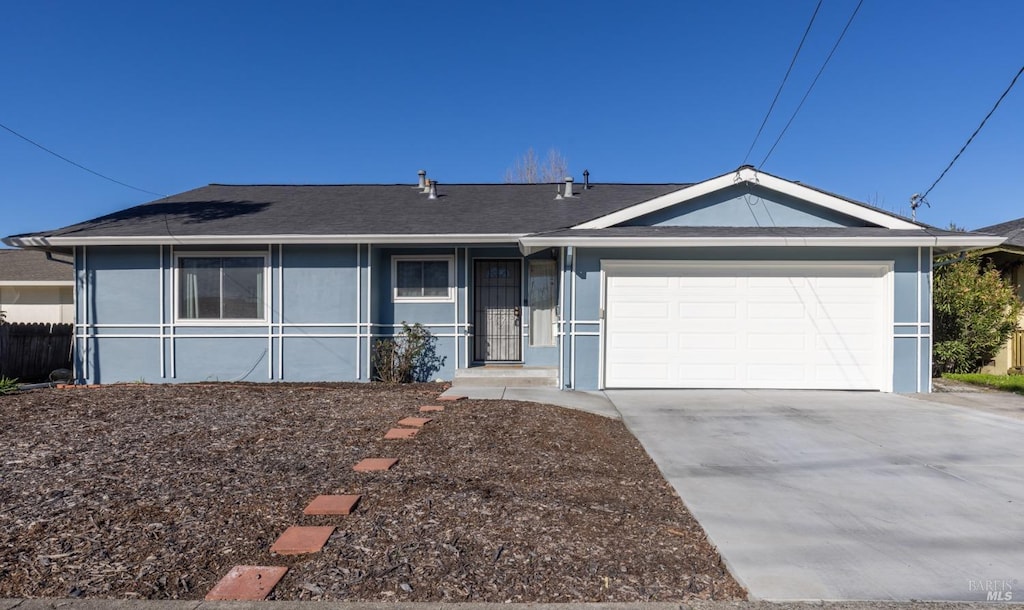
(844, 495)
(591, 402)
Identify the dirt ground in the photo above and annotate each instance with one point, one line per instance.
(144, 491)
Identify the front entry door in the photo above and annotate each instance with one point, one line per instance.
(497, 320)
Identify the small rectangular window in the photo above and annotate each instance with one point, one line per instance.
(543, 296)
(221, 287)
(422, 279)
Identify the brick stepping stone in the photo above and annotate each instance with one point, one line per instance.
(431, 409)
(247, 583)
(397, 433)
(374, 464)
(452, 398)
(331, 505)
(418, 422)
(297, 540)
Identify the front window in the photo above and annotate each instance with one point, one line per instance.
(543, 297)
(422, 279)
(221, 287)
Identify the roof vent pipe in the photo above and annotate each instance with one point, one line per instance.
(423, 179)
(568, 187)
(433, 189)
(586, 179)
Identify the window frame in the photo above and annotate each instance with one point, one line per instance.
(176, 289)
(532, 340)
(424, 258)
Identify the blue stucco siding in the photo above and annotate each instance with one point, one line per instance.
(746, 205)
(325, 306)
(911, 302)
(124, 284)
(319, 284)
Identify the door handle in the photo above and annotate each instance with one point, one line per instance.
(518, 312)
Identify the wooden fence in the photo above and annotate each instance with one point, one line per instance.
(30, 352)
(1017, 361)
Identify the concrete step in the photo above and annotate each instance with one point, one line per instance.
(507, 376)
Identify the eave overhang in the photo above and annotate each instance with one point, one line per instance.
(941, 243)
(46, 242)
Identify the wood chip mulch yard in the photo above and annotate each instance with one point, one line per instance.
(143, 491)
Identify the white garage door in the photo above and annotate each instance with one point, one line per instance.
(748, 325)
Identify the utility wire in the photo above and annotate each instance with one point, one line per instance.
(783, 83)
(970, 139)
(813, 82)
(78, 165)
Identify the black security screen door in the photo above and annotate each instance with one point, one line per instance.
(497, 325)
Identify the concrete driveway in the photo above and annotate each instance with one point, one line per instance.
(844, 495)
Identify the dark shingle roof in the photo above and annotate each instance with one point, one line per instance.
(220, 209)
(33, 266)
(1012, 230)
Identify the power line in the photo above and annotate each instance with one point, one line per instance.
(813, 82)
(783, 83)
(78, 165)
(918, 199)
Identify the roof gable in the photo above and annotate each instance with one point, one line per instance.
(805, 204)
(746, 205)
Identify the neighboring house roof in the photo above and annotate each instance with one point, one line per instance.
(1012, 230)
(532, 214)
(32, 267)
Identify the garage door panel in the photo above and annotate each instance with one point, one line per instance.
(842, 377)
(639, 340)
(772, 374)
(640, 282)
(710, 310)
(630, 370)
(862, 343)
(705, 282)
(749, 325)
(693, 357)
(776, 311)
(776, 341)
(639, 309)
(706, 340)
(708, 372)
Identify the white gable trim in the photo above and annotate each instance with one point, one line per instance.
(750, 175)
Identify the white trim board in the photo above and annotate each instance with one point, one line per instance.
(751, 176)
(221, 240)
(881, 271)
(530, 245)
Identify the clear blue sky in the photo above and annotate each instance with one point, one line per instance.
(174, 95)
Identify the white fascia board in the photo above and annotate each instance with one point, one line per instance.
(529, 245)
(37, 283)
(444, 238)
(748, 175)
(659, 203)
(831, 202)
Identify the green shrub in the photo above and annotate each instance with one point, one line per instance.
(976, 310)
(8, 385)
